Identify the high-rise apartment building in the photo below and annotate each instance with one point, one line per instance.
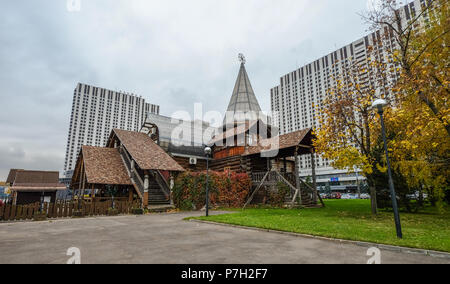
(296, 102)
(95, 112)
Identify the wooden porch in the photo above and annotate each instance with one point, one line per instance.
(277, 160)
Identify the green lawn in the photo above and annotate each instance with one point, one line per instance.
(350, 220)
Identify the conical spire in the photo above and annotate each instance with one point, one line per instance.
(243, 99)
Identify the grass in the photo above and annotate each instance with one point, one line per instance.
(350, 220)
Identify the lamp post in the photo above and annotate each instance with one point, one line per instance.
(379, 105)
(208, 152)
(357, 182)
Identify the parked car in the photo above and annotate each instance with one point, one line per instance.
(349, 196)
(335, 195)
(365, 196)
(416, 196)
(345, 196)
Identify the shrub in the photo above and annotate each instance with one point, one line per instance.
(233, 188)
(112, 212)
(39, 217)
(226, 189)
(277, 198)
(137, 211)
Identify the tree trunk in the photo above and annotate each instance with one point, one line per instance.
(373, 200)
(421, 196)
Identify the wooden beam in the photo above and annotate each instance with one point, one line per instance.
(286, 181)
(297, 177)
(305, 146)
(81, 177)
(256, 190)
(130, 194)
(83, 187)
(310, 187)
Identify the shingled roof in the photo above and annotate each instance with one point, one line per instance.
(147, 154)
(243, 99)
(36, 181)
(12, 176)
(280, 142)
(239, 129)
(104, 166)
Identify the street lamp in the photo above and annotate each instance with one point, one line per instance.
(379, 105)
(355, 168)
(208, 152)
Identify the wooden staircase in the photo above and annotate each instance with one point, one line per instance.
(272, 178)
(306, 199)
(158, 189)
(156, 196)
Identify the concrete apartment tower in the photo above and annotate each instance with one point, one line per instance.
(95, 112)
(298, 99)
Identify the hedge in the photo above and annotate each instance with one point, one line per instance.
(227, 189)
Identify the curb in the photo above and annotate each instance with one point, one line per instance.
(431, 253)
(56, 220)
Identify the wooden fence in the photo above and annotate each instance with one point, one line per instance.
(64, 209)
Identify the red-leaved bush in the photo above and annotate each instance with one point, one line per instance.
(226, 189)
(233, 188)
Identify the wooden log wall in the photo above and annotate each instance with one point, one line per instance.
(235, 164)
(184, 162)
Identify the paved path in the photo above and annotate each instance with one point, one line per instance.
(168, 239)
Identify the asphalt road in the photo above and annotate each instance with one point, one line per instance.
(167, 239)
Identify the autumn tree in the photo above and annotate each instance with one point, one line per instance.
(408, 65)
(347, 132)
(418, 47)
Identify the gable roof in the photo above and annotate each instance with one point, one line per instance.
(280, 142)
(37, 180)
(147, 154)
(104, 166)
(243, 99)
(11, 176)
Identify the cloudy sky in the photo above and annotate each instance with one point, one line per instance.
(173, 52)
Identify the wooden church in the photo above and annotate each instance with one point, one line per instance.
(137, 166)
(247, 142)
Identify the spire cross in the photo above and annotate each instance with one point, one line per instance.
(242, 58)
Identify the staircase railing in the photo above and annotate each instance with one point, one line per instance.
(308, 189)
(163, 184)
(305, 191)
(127, 159)
(133, 173)
(259, 176)
(270, 178)
(139, 183)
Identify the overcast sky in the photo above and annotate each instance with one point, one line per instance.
(173, 53)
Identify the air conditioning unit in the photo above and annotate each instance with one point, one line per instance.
(192, 161)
